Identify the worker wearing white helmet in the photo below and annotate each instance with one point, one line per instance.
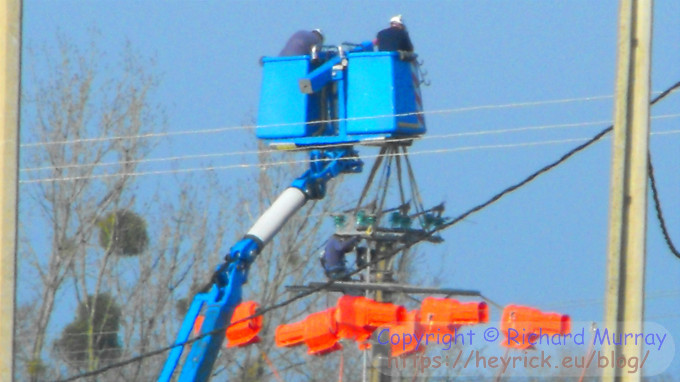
(396, 20)
(395, 37)
(302, 42)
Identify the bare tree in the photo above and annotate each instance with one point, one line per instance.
(88, 126)
(84, 126)
(187, 232)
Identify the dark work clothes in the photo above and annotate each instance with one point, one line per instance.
(336, 248)
(339, 274)
(394, 38)
(301, 43)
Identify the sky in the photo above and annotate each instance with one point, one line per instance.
(545, 68)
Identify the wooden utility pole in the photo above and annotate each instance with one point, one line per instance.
(10, 67)
(628, 199)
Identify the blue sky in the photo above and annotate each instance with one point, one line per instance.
(544, 245)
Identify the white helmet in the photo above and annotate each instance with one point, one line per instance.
(396, 20)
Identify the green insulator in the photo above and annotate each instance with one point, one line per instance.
(361, 219)
(395, 219)
(427, 221)
(339, 221)
(432, 221)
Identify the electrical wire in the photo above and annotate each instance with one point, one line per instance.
(291, 162)
(657, 207)
(268, 151)
(307, 161)
(655, 193)
(387, 255)
(335, 145)
(250, 127)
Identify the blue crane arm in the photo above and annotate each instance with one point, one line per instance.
(225, 292)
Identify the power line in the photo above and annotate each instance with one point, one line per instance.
(387, 255)
(650, 174)
(250, 127)
(250, 152)
(657, 207)
(292, 162)
(256, 152)
(305, 161)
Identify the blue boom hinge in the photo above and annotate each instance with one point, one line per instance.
(325, 165)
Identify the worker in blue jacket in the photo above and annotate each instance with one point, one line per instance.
(301, 43)
(395, 37)
(333, 257)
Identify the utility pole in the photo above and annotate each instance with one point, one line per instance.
(10, 68)
(381, 352)
(628, 198)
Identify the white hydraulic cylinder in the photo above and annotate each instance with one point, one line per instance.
(285, 206)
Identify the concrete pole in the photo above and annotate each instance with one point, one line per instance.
(10, 64)
(381, 352)
(628, 199)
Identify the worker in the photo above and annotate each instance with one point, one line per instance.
(302, 42)
(362, 253)
(395, 37)
(333, 257)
